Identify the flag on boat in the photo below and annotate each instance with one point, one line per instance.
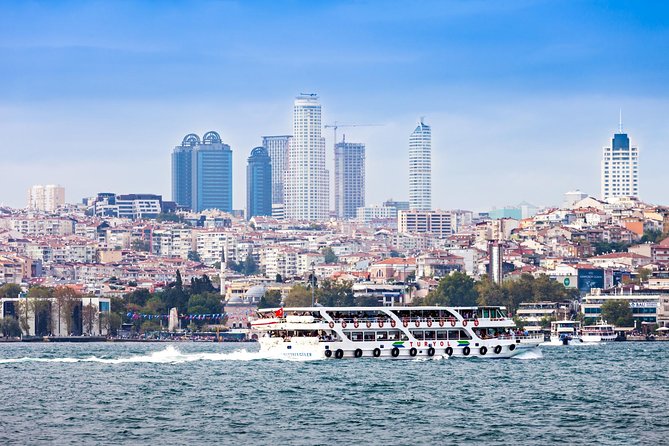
(279, 312)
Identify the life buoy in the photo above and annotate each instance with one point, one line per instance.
(483, 350)
(356, 324)
(339, 353)
(452, 321)
(449, 351)
(464, 322)
(413, 351)
(328, 353)
(331, 324)
(429, 322)
(465, 351)
(380, 324)
(393, 323)
(417, 323)
(476, 322)
(512, 347)
(395, 352)
(405, 323)
(497, 349)
(441, 322)
(357, 353)
(376, 352)
(369, 324)
(343, 324)
(430, 351)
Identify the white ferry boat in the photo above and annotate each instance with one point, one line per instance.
(565, 332)
(390, 332)
(598, 333)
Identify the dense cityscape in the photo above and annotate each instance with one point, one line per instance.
(117, 264)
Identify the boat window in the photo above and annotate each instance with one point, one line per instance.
(442, 335)
(356, 336)
(381, 335)
(464, 335)
(370, 336)
(418, 334)
(486, 313)
(453, 335)
(429, 335)
(393, 335)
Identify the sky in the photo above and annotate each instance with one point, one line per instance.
(521, 95)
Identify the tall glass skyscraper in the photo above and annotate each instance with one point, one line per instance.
(306, 195)
(259, 183)
(349, 161)
(420, 168)
(277, 148)
(202, 173)
(620, 168)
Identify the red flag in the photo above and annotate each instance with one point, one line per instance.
(279, 312)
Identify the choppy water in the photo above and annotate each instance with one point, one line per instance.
(128, 394)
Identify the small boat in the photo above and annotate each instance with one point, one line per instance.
(599, 332)
(565, 332)
(389, 332)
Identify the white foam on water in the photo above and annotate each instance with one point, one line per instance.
(534, 353)
(170, 355)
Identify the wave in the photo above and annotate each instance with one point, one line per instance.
(170, 355)
(534, 353)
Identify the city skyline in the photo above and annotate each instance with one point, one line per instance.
(486, 95)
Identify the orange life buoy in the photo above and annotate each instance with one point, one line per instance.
(331, 324)
(452, 322)
(356, 324)
(343, 324)
(476, 322)
(380, 324)
(393, 323)
(429, 322)
(441, 322)
(464, 322)
(417, 323)
(369, 324)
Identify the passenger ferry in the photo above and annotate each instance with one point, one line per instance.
(390, 332)
(599, 332)
(565, 332)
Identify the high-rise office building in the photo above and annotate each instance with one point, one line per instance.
(306, 195)
(420, 168)
(349, 161)
(182, 170)
(277, 148)
(46, 198)
(259, 183)
(620, 168)
(202, 173)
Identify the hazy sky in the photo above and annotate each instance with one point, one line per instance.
(521, 95)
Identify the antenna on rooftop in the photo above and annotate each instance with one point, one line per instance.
(620, 125)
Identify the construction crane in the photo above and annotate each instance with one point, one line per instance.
(336, 125)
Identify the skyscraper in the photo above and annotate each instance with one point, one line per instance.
(202, 173)
(620, 168)
(277, 148)
(349, 178)
(306, 182)
(259, 183)
(420, 168)
(182, 170)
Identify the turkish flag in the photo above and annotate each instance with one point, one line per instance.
(279, 312)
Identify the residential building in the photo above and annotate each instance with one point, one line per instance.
(620, 168)
(349, 161)
(277, 149)
(369, 214)
(420, 168)
(46, 198)
(306, 195)
(259, 183)
(436, 223)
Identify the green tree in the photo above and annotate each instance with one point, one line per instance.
(456, 289)
(10, 291)
(250, 266)
(194, 256)
(206, 303)
(330, 256)
(298, 296)
(271, 299)
(604, 247)
(89, 317)
(139, 296)
(201, 285)
(140, 245)
(490, 293)
(652, 236)
(278, 278)
(10, 327)
(335, 294)
(617, 312)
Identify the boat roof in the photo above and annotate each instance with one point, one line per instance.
(407, 308)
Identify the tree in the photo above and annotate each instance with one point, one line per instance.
(89, 316)
(139, 296)
(298, 296)
(490, 293)
(250, 266)
(652, 236)
(23, 309)
(271, 299)
(456, 289)
(201, 285)
(65, 299)
(278, 278)
(335, 294)
(330, 256)
(618, 313)
(140, 245)
(394, 253)
(111, 322)
(10, 291)
(194, 256)
(206, 303)
(39, 302)
(10, 327)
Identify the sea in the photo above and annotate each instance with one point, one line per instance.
(209, 393)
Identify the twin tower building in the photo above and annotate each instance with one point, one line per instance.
(287, 175)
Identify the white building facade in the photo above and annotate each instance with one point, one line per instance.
(620, 168)
(306, 191)
(420, 168)
(277, 148)
(46, 198)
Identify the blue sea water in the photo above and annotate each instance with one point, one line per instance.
(196, 393)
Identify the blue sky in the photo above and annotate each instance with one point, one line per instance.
(521, 95)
